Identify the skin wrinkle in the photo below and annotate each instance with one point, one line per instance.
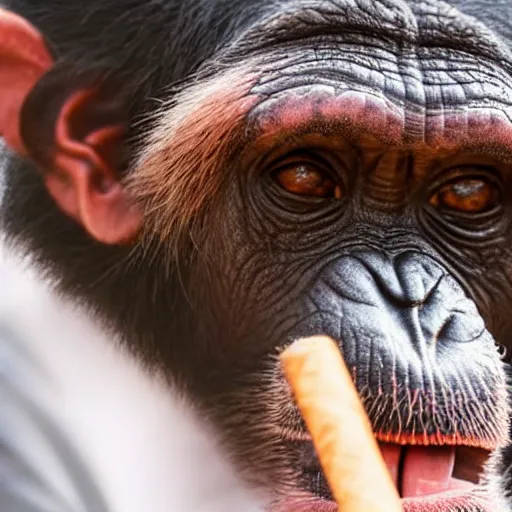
(480, 44)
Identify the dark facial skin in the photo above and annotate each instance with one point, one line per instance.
(366, 196)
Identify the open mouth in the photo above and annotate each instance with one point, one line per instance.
(427, 478)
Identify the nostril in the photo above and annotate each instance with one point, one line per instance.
(419, 277)
(460, 327)
(406, 280)
(503, 352)
(443, 330)
(430, 292)
(414, 298)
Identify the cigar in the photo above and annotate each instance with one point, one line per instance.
(339, 427)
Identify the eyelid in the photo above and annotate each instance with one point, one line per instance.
(447, 175)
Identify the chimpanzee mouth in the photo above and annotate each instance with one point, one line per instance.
(427, 477)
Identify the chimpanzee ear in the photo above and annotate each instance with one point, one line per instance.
(79, 159)
(24, 59)
(83, 175)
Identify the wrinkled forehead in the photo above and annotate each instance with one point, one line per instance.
(412, 72)
(467, 25)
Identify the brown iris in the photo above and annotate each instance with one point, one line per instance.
(307, 180)
(467, 195)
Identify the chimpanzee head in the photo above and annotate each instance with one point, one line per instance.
(219, 178)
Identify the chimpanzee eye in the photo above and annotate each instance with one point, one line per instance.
(305, 179)
(470, 195)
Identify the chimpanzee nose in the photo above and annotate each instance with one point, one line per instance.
(397, 312)
(404, 304)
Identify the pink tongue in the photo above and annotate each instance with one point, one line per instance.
(427, 470)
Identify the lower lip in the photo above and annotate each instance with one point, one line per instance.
(448, 502)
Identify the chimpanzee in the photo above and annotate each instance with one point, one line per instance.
(216, 178)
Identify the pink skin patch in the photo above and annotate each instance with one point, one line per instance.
(361, 113)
